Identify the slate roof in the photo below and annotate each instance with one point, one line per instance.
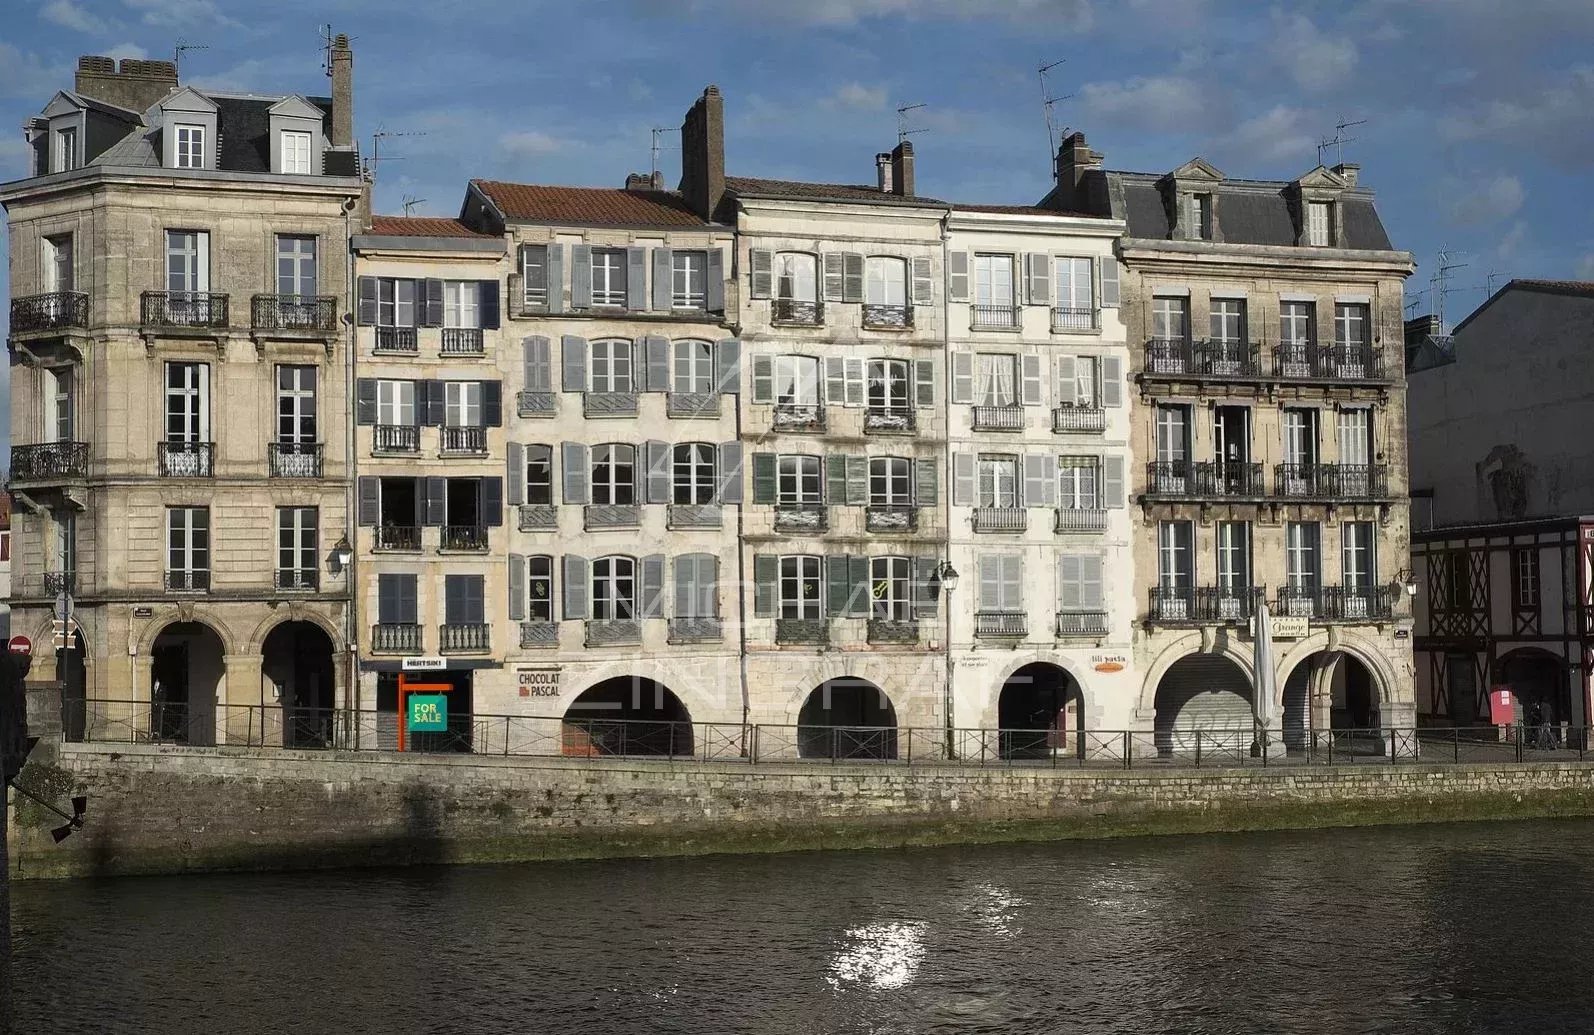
(588, 206)
(421, 226)
(243, 130)
(800, 190)
(1249, 212)
(1025, 210)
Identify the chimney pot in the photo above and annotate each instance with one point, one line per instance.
(902, 169)
(882, 171)
(1349, 172)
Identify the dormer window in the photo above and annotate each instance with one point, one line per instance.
(66, 149)
(190, 152)
(295, 151)
(1319, 223)
(1201, 217)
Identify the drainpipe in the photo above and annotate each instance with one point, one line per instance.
(351, 697)
(946, 455)
(743, 386)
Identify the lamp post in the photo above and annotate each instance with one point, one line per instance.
(343, 557)
(946, 578)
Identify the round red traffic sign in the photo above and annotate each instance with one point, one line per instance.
(20, 645)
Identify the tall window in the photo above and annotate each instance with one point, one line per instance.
(993, 280)
(1087, 381)
(190, 147)
(534, 274)
(998, 481)
(693, 364)
(539, 589)
(188, 545)
(1076, 288)
(1302, 540)
(1078, 481)
(462, 404)
(1170, 318)
(395, 302)
(395, 403)
(1525, 577)
(297, 534)
(1355, 450)
(58, 263)
(1002, 583)
(890, 481)
(798, 480)
(997, 380)
(891, 588)
(1234, 557)
(1350, 324)
(1300, 435)
(614, 595)
(1358, 561)
(796, 380)
(66, 149)
(1201, 211)
(687, 279)
(296, 265)
(885, 281)
(187, 402)
(464, 600)
(1318, 223)
(65, 522)
(462, 300)
(1228, 320)
(59, 417)
(187, 261)
(800, 587)
(608, 276)
(1295, 323)
(1173, 432)
(296, 405)
(614, 475)
(611, 366)
(796, 277)
(888, 384)
(1175, 571)
(693, 473)
(539, 475)
(295, 152)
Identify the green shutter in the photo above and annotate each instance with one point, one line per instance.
(764, 480)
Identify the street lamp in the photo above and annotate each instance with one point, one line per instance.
(343, 554)
(946, 578)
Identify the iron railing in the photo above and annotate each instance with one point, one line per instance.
(58, 582)
(1081, 623)
(464, 637)
(890, 517)
(889, 419)
(389, 538)
(397, 339)
(188, 580)
(609, 404)
(536, 404)
(597, 516)
(538, 634)
(1000, 519)
(1081, 519)
(1075, 319)
(185, 459)
(51, 311)
(802, 630)
(799, 417)
(199, 309)
(798, 311)
(801, 517)
(396, 638)
(693, 515)
(1332, 481)
(466, 438)
(705, 629)
(293, 313)
(396, 438)
(1336, 603)
(1309, 361)
(294, 459)
(46, 461)
(688, 405)
(1086, 419)
(1001, 624)
(1177, 357)
(887, 317)
(462, 341)
(998, 418)
(464, 537)
(892, 630)
(1205, 479)
(613, 632)
(302, 579)
(538, 517)
(1203, 605)
(993, 317)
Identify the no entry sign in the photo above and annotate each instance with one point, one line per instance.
(20, 645)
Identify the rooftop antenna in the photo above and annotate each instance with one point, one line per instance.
(1338, 140)
(1047, 103)
(380, 135)
(657, 147)
(327, 39)
(1488, 282)
(1439, 283)
(1414, 300)
(903, 132)
(182, 47)
(409, 203)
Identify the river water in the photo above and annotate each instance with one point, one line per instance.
(1454, 928)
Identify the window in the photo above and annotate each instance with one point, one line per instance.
(997, 383)
(614, 475)
(693, 367)
(1295, 323)
(1173, 433)
(295, 152)
(693, 473)
(611, 367)
(1318, 223)
(795, 277)
(296, 266)
(187, 402)
(1358, 557)
(1355, 442)
(1350, 324)
(1525, 577)
(888, 384)
(796, 381)
(58, 263)
(1301, 546)
(462, 404)
(1174, 570)
(296, 405)
(798, 480)
(998, 481)
(1234, 557)
(1002, 584)
(799, 587)
(464, 600)
(891, 588)
(65, 522)
(608, 276)
(1087, 381)
(993, 280)
(539, 475)
(462, 303)
(190, 147)
(58, 416)
(1228, 320)
(687, 279)
(885, 281)
(1201, 211)
(187, 543)
(66, 149)
(890, 481)
(1300, 435)
(539, 588)
(1078, 481)
(296, 547)
(534, 273)
(397, 599)
(395, 302)
(1075, 284)
(614, 589)
(395, 403)
(1170, 318)
(187, 261)
(696, 586)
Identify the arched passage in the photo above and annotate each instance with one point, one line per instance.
(847, 718)
(186, 669)
(296, 662)
(73, 677)
(627, 715)
(1037, 707)
(1539, 687)
(1207, 694)
(1339, 682)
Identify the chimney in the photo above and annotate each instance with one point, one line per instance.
(645, 181)
(340, 62)
(1348, 172)
(136, 86)
(882, 171)
(1074, 159)
(902, 169)
(1420, 328)
(703, 154)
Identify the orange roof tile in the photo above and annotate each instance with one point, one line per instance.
(589, 206)
(421, 226)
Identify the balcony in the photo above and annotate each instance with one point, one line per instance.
(1204, 480)
(296, 579)
(993, 317)
(465, 637)
(802, 517)
(51, 311)
(889, 420)
(797, 312)
(1000, 519)
(49, 461)
(467, 538)
(687, 405)
(802, 630)
(396, 438)
(887, 317)
(613, 632)
(598, 517)
(397, 339)
(1081, 623)
(1001, 625)
(294, 459)
(799, 417)
(535, 404)
(1086, 420)
(998, 418)
(1081, 519)
(696, 630)
(1075, 321)
(694, 515)
(1216, 360)
(305, 314)
(185, 459)
(890, 517)
(198, 310)
(58, 582)
(396, 538)
(539, 634)
(395, 638)
(463, 341)
(1308, 361)
(1336, 603)
(1206, 605)
(466, 440)
(1332, 481)
(188, 580)
(538, 517)
(893, 630)
(609, 404)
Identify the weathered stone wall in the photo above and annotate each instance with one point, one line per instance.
(155, 809)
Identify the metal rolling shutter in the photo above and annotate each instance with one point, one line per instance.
(1205, 692)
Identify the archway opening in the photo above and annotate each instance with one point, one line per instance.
(297, 674)
(847, 718)
(1540, 691)
(1332, 692)
(73, 677)
(186, 670)
(1203, 704)
(627, 715)
(1037, 709)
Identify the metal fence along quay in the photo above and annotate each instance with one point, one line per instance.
(585, 737)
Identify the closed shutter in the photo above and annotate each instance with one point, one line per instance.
(838, 585)
(1012, 568)
(581, 276)
(761, 273)
(963, 479)
(1040, 484)
(763, 379)
(492, 502)
(1109, 282)
(1030, 380)
(990, 571)
(926, 481)
(836, 380)
(924, 383)
(686, 586)
(729, 473)
(432, 303)
(728, 366)
(1091, 595)
(1112, 481)
(926, 587)
(489, 305)
(923, 282)
(714, 282)
(1112, 381)
(835, 276)
(515, 472)
(538, 364)
(365, 401)
(1069, 582)
(434, 405)
(436, 512)
(766, 575)
(957, 276)
(1067, 387)
(857, 480)
(658, 472)
(1203, 693)
(858, 596)
(576, 576)
(658, 350)
(1038, 280)
(764, 477)
(573, 456)
(962, 377)
(366, 311)
(397, 599)
(556, 278)
(652, 586)
(636, 279)
(493, 404)
(573, 357)
(663, 275)
(852, 282)
(370, 508)
(836, 479)
(856, 384)
(517, 587)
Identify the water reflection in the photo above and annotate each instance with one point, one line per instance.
(878, 956)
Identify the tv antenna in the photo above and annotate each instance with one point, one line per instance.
(1048, 102)
(903, 132)
(1440, 281)
(658, 132)
(409, 203)
(183, 46)
(327, 39)
(1488, 282)
(1413, 301)
(1338, 140)
(380, 135)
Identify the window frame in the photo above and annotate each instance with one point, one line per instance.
(462, 304)
(799, 480)
(692, 367)
(539, 572)
(987, 389)
(188, 146)
(462, 404)
(1069, 297)
(1303, 556)
(395, 403)
(788, 370)
(989, 471)
(1166, 310)
(534, 290)
(298, 541)
(891, 588)
(302, 141)
(1349, 317)
(613, 266)
(890, 481)
(693, 473)
(618, 466)
(188, 537)
(795, 271)
(796, 574)
(391, 305)
(1296, 319)
(614, 589)
(611, 364)
(876, 275)
(539, 475)
(986, 267)
(1079, 483)
(1320, 231)
(297, 402)
(888, 385)
(1526, 584)
(682, 275)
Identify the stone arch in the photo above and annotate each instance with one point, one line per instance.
(1181, 648)
(688, 690)
(878, 671)
(1354, 644)
(847, 717)
(1204, 698)
(153, 627)
(293, 613)
(627, 714)
(1089, 706)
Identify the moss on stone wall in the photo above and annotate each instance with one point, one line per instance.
(47, 782)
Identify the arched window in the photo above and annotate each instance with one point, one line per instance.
(614, 591)
(796, 277)
(888, 385)
(796, 380)
(614, 474)
(692, 367)
(693, 473)
(611, 366)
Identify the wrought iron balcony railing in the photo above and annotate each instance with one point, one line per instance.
(1081, 519)
(538, 517)
(801, 517)
(468, 438)
(696, 630)
(464, 537)
(301, 579)
(396, 638)
(47, 461)
(609, 404)
(694, 515)
(1075, 319)
(1203, 605)
(1079, 419)
(993, 317)
(397, 339)
(58, 582)
(462, 341)
(51, 311)
(889, 420)
(691, 404)
(309, 313)
(1001, 624)
(294, 459)
(893, 630)
(891, 517)
(396, 538)
(1332, 481)
(887, 317)
(799, 416)
(1309, 361)
(802, 630)
(1000, 519)
(1337, 603)
(536, 404)
(465, 637)
(539, 633)
(797, 311)
(1205, 479)
(186, 459)
(998, 418)
(598, 516)
(199, 309)
(188, 580)
(1176, 357)
(396, 438)
(1081, 623)
(612, 632)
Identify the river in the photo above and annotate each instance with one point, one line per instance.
(1453, 928)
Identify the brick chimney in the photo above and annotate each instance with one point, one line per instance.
(341, 67)
(135, 86)
(1074, 159)
(703, 154)
(1348, 172)
(902, 169)
(644, 181)
(882, 171)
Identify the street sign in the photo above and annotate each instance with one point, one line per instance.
(20, 645)
(429, 664)
(1289, 627)
(428, 713)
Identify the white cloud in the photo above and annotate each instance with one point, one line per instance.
(179, 12)
(1511, 244)
(1077, 15)
(24, 74)
(531, 144)
(1171, 103)
(1281, 134)
(857, 96)
(1315, 60)
(1478, 202)
(1553, 122)
(126, 50)
(69, 15)
(1585, 267)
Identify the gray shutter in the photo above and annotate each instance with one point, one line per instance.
(838, 585)
(432, 309)
(658, 351)
(663, 278)
(576, 576)
(538, 364)
(926, 481)
(573, 458)
(835, 380)
(573, 356)
(658, 471)
(763, 378)
(517, 587)
(1112, 481)
(990, 572)
(714, 281)
(370, 510)
(923, 281)
(653, 586)
(436, 403)
(728, 472)
(515, 472)
(761, 273)
(436, 501)
(1040, 484)
(636, 279)
(493, 404)
(957, 276)
(367, 305)
(686, 582)
(924, 384)
(1037, 277)
(1012, 581)
(1067, 394)
(962, 377)
(728, 366)
(836, 479)
(766, 576)
(1090, 572)
(858, 595)
(1069, 580)
(489, 305)
(926, 587)
(857, 480)
(1112, 381)
(1109, 282)
(365, 401)
(1029, 380)
(765, 466)
(639, 366)
(963, 479)
(835, 276)
(581, 276)
(556, 278)
(857, 394)
(852, 280)
(492, 502)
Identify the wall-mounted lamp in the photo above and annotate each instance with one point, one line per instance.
(342, 554)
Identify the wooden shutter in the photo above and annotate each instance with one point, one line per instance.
(658, 471)
(763, 378)
(493, 404)
(366, 310)
(435, 404)
(489, 305)
(836, 380)
(556, 278)
(365, 401)
(857, 481)
(926, 587)
(728, 366)
(714, 281)
(835, 276)
(963, 479)
(436, 501)
(492, 502)
(838, 585)
(658, 351)
(663, 278)
(836, 479)
(1038, 280)
(990, 572)
(370, 509)
(432, 303)
(856, 383)
(923, 282)
(538, 364)
(1112, 481)
(728, 473)
(573, 458)
(581, 276)
(1029, 380)
(652, 586)
(686, 585)
(926, 481)
(765, 478)
(1067, 387)
(517, 587)
(577, 574)
(1012, 568)
(1040, 481)
(1070, 581)
(1112, 381)
(962, 389)
(636, 279)
(515, 472)
(766, 577)
(957, 276)
(852, 278)
(761, 273)
(924, 383)
(573, 356)
(1091, 597)
(1109, 282)
(858, 595)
